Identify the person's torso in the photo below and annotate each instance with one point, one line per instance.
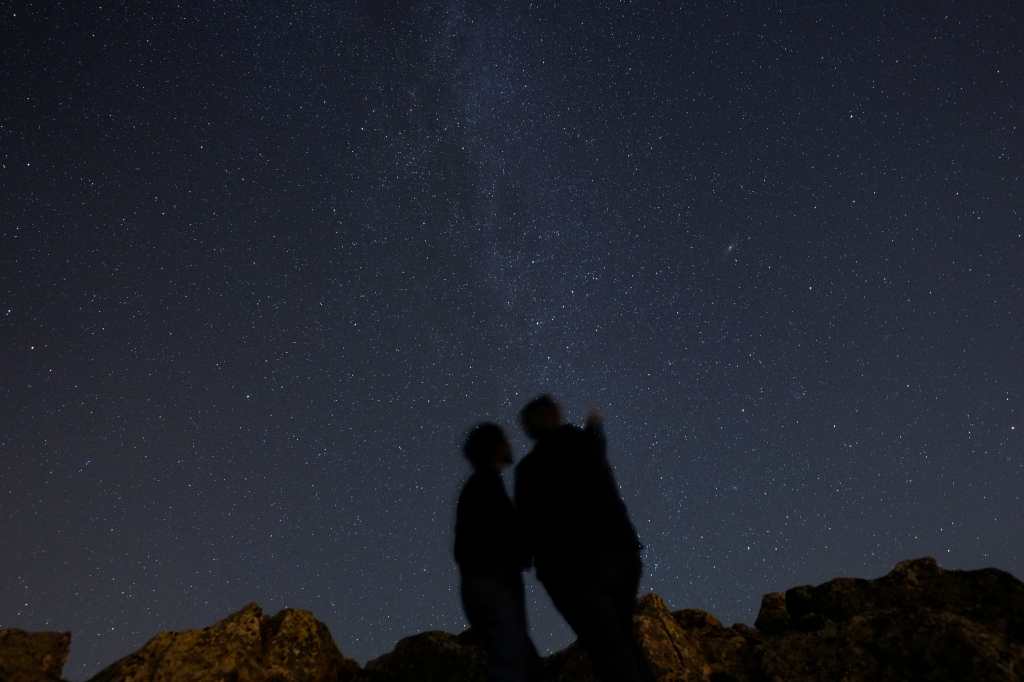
(575, 511)
(488, 536)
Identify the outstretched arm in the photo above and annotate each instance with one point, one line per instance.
(594, 429)
(610, 501)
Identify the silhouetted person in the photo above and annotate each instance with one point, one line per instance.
(491, 553)
(584, 546)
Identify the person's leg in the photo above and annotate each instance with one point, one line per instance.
(529, 654)
(626, 584)
(592, 608)
(568, 597)
(494, 610)
(599, 607)
(625, 580)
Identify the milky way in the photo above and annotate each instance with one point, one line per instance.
(263, 264)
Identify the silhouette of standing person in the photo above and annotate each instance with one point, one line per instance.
(491, 554)
(585, 548)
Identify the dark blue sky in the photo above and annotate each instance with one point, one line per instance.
(264, 263)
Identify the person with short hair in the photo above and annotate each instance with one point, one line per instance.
(491, 553)
(584, 546)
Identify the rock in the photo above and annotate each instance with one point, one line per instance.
(299, 647)
(919, 622)
(431, 657)
(773, 616)
(692, 618)
(247, 646)
(568, 665)
(672, 651)
(32, 656)
(685, 646)
(892, 645)
(988, 596)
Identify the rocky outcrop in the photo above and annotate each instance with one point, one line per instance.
(32, 656)
(247, 646)
(919, 622)
(430, 657)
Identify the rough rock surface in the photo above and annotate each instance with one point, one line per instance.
(32, 656)
(685, 646)
(247, 646)
(918, 623)
(430, 657)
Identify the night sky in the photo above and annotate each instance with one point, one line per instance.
(262, 264)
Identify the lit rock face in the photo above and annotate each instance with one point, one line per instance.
(247, 646)
(918, 623)
(32, 656)
(431, 657)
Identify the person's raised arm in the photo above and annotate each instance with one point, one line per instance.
(594, 430)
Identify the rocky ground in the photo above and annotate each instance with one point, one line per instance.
(918, 623)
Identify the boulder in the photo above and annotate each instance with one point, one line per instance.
(987, 596)
(431, 657)
(247, 646)
(894, 646)
(32, 656)
(918, 623)
(684, 646)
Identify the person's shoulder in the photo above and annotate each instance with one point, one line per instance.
(472, 485)
(527, 464)
(465, 498)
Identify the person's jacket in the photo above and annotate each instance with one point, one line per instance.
(569, 502)
(488, 535)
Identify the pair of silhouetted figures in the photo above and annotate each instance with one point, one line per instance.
(568, 521)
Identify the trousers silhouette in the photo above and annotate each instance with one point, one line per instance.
(599, 606)
(496, 609)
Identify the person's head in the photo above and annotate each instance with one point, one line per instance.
(486, 447)
(541, 415)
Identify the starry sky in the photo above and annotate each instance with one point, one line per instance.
(264, 263)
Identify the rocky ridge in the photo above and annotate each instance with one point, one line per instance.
(919, 622)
